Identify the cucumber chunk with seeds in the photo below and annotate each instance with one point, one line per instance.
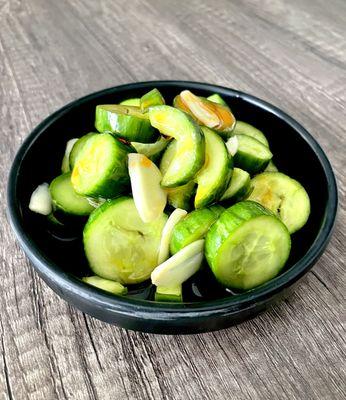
(77, 147)
(119, 245)
(252, 155)
(243, 128)
(284, 196)
(66, 199)
(126, 122)
(247, 246)
(238, 187)
(213, 178)
(189, 152)
(172, 294)
(193, 227)
(105, 284)
(150, 99)
(101, 167)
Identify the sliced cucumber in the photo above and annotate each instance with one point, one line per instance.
(167, 232)
(127, 122)
(150, 99)
(169, 294)
(119, 245)
(189, 156)
(247, 246)
(181, 196)
(66, 199)
(152, 150)
(284, 196)
(243, 128)
(193, 227)
(150, 199)
(65, 165)
(180, 267)
(131, 102)
(213, 178)
(252, 155)
(216, 98)
(41, 200)
(271, 167)
(105, 284)
(101, 167)
(77, 147)
(239, 185)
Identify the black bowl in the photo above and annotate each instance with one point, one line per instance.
(59, 260)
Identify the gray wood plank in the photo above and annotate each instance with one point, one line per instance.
(292, 54)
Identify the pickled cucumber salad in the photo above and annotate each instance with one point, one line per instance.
(167, 191)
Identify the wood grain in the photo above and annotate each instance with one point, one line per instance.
(292, 54)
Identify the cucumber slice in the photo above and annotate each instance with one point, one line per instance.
(243, 128)
(167, 232)
(150, 199)
(193, 227)
(150, 99)
(66, 199)
(169, 294)
(247, 246)
(119, 245)
(77, 147)
(101, 167)
(189, 156)
(252, 155)
(271, 167)
(239, 186)
(40, 200)
(127, 122)
(179, 267)
(216, 98)
(152, 150)
(65, 165)
(105, 284)
(132, 102)
(181, 196)
(284, 196)
(213, 178)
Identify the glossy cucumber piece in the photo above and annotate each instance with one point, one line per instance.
(216, 98)
(101, 167)
(132, 102)
(77, 147)
(126, 122)
(181, 196)
(213, 178)
(252, 155)
(66, 199)
(247, 246)
(189, 155)
(151, 99)
(105, 284)
(169, 294)
(193, 227)
(152, 150)
(238, 187)
(284, 196)
(65, 165)
(119, 245)
(243, 128)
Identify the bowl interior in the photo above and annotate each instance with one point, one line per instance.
(41, 162)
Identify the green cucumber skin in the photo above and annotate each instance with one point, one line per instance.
(181, 197)
(117, 180)
(237, 194)
(251, 164)
(77, 147)
(228, 223)
(151, 99)
(243, 128)
(60, 189)
(194, 227)
(127, 127)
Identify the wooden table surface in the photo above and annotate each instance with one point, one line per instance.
(291, 53)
